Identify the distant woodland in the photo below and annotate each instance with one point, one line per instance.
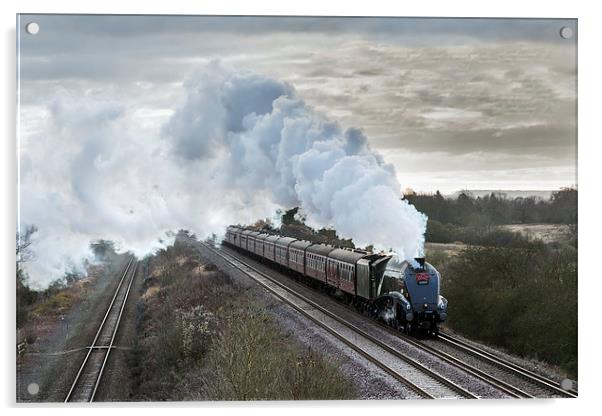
(475, 220)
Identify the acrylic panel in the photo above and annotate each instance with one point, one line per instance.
(218, 208)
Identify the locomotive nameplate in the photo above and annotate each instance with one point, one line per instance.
(422, 278)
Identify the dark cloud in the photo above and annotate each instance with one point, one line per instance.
(545, 141)
(417, 29)
(441, 86)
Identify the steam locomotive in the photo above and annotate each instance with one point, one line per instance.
(403, 295)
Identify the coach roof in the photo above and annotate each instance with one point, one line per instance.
(300, 244)
(263, 236)
(347, 256)
(320, 249)
(272, 238)
(285, 241)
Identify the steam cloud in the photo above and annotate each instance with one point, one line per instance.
(241, 146)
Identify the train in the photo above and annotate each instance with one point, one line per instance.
(403, 294)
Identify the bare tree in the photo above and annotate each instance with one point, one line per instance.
(24, 241)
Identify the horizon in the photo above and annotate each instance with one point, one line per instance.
(467, 189)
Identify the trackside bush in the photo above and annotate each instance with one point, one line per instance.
(523, 299)
(253, 361)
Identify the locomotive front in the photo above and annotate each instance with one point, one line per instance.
(419, 284)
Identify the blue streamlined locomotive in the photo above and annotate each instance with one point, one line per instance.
(399, 293)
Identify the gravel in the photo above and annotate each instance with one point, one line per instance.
(371, 382)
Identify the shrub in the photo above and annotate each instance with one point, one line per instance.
(252, 361)
(194, 330)
(523, 299)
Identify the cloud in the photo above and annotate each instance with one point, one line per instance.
(442, 100)
(518, 75)
(240, 146)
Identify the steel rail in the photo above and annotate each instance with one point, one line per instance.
(420, 367)
(98, 332)
(110, 346)
(504, 364)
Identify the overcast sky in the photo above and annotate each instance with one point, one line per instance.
(452, 103)
(134, 126)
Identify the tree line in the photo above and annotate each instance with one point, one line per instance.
(497, 209)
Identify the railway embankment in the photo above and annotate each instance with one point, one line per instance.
(205, 335)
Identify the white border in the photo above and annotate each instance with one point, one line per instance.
(589, 119)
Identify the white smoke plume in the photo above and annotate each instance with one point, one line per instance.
(241, 146)
(267, 139)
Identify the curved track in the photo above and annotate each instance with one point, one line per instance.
(88, 377)
(417, 377)
(510, 378)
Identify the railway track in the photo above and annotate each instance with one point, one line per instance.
(530, 377)
(88, 378)
(510, 378)
(414, 375)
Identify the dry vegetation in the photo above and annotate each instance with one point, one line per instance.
(548, 233)
(201, 336)
(53, 304)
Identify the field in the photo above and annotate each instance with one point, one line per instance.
(548, 233)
